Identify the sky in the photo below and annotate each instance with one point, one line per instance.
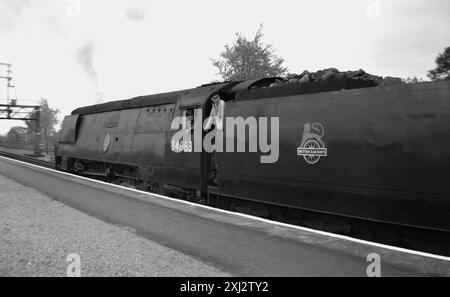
(78, 52)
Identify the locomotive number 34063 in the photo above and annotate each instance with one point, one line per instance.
(181, 146)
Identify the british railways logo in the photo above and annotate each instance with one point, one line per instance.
(312, 147)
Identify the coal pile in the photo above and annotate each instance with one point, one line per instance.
(333, 73)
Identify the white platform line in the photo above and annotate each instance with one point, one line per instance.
(324, 233)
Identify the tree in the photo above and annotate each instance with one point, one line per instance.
(413, 80)
(17, 135)
(442, 70)
(249, 59)
(49, 120)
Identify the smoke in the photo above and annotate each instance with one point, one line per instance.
(86, 60)
(136, 10)
(16, 6)
(136, 14)
(10, 13)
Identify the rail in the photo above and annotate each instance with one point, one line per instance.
(28, 159)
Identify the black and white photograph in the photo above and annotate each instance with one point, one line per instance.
(224, 148)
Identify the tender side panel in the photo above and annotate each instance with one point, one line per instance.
(388, 155)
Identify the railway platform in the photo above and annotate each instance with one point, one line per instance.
(41, 208)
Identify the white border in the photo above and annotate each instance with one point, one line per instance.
(332, 235)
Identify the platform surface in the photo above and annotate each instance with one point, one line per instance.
(219, 242)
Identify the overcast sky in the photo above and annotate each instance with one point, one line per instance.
(79, 52)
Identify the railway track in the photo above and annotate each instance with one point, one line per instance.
(28, 159)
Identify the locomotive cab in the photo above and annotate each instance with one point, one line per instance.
(189, 168)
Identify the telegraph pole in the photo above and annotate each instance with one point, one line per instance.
(37, 131)
(13, 111)
(8, 78)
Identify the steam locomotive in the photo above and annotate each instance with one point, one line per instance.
(345, 148)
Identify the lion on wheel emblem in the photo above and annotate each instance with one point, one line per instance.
(312, 147)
